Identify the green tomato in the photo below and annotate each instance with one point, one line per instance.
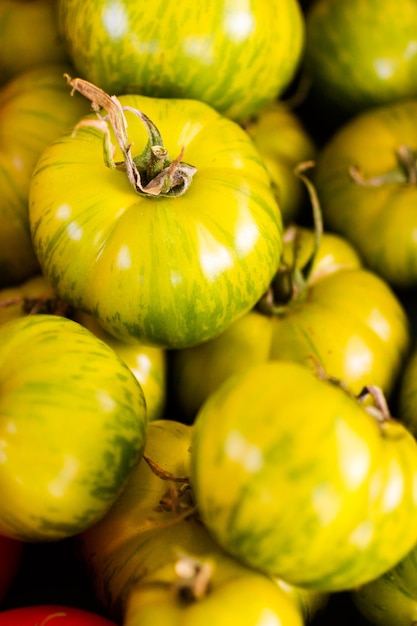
(283, 142)
(298, 478)
(359, 53)
(152, 561)
(365, 179)
(234, 56)
(147, 363)
(345, 320)
(392, 597)
(73, 427)
(29, 36)
(167, 267)
(34, 110)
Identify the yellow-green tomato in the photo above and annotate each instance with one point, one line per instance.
(283, 142)
(298, 478)
(344, 319)
(152, 561)
(72, 427)
(148, 364)
(392, 597)
(236, 56)
(29, 36)
(309, 601)
(34, 109)
(29, 296)
(167, 267)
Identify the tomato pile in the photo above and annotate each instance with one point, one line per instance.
(208, 338)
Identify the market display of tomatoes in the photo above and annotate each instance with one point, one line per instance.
(208, 313)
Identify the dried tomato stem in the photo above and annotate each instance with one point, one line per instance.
(151, 173)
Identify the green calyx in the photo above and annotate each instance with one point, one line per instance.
(152, 173)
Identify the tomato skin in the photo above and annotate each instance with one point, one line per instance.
(68, 400)
(20, 52)
(34, 110)
(222, 51)
(56, 615)
(133, 553)
(165, 271)
(11, 555)
(378, 219)
(293, 476)
(283, 142)
(350, 323)
(390, 598)
(358, 55)
(148, 364)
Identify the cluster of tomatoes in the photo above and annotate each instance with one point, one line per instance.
(208, 263)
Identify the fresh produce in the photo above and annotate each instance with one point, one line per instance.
(153, 562)
(147, 363)
(53, 615)
(34, 110)
(392, 597)
(324, 309)
(283, 143)
(298, 478)
(29, 37)
(72, 428)
(234, 56)
(360, 54)
(160, 253)
(365, 178)
(205, 434)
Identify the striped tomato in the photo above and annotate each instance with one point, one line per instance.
(73, 426)
(365, 178)
(298, 478)
(166, 252)
(34, 110)
(360, 54)
(235, 56)
(147, 363)
(152, 561)
(344, 319)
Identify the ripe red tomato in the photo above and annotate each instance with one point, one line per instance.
(53, 615)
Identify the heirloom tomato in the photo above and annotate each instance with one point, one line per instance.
(283, 142)
(147, 363)
(391, 598)
(295, 476)
(29, 36)
(52, 615)
(235, 56)
(342, 318)
(34, 110)
(72, 428)
(152, 561)
(360, 53)
(366, 179)
(166, 252)
(11, 556)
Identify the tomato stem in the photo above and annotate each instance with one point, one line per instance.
(151, 173)
(290, 284)
(404, 173)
